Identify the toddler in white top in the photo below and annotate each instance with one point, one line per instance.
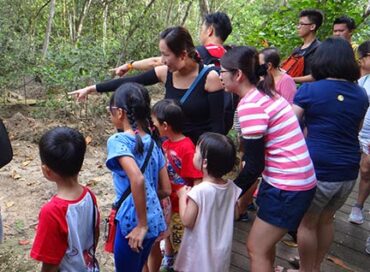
(208, 209)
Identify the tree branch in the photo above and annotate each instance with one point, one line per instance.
(186, 13)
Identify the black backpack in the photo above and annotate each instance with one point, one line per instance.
(230, 100)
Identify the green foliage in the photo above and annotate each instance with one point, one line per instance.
(265, 22)
(132, 31)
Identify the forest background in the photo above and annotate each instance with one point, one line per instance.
(66, 44)
(51, 47)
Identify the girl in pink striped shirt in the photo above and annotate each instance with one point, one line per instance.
(274, 146)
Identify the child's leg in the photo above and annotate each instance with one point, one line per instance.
(168, 249)
(155, 258)
(126, 259)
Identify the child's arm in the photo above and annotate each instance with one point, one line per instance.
(137, 184)
(49, 267)
(164, 186)
(188, 208)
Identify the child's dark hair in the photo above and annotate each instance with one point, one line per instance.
(219, 151)
(271, 55)
(62, 149)
(315, 16)
(364, 49)
(169, 111)
(221, 23)
(134, 99)
(178, 39)
(348, 21)
(245, 58)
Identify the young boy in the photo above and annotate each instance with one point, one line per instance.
(179, 150)
(68, 228)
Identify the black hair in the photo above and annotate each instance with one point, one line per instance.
(271, 54)
(219, 151)
(62, 149)
(364, 49)
(350, 23)
(178, 39)
(245, 58)
(169, 111)
(315, 16)
(134, 99)
(221, 23)
(335, 58)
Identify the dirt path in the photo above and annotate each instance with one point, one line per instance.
(24, 189)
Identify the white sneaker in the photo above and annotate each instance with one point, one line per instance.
(356, 216)
(367, 249)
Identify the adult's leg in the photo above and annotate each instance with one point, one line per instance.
(247, 198)
(364, 186)
(261, 247)
(308, 241)
(325, 235)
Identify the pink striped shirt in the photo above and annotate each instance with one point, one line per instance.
(288, 165)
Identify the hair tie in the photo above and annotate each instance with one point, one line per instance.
(262, 70)
(136, 131)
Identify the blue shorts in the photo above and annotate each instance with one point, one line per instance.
(283, 209)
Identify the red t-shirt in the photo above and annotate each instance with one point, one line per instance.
(64, 235)
(180, 166)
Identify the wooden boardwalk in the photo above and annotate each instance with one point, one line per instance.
(348, 245)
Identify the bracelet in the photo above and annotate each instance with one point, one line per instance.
(130, 65)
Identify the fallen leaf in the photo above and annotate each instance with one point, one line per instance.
(88, 140)
(91, 183)
(24, 242)
(26, 163)
(9, 204)
(30, 183)
(15, 175)
(339, 262)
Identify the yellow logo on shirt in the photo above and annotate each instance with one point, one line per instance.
(340, 98)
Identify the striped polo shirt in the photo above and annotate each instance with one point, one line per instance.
(288, 165)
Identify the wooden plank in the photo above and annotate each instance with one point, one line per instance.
(348, 245)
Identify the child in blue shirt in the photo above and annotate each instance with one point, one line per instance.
(139, 219)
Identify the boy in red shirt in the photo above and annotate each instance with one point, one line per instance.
(68, 228)
(179, 150)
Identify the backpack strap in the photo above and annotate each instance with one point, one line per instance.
(194, 84)
(142, 169)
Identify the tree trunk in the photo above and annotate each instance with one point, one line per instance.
(204, 7)
(186, 13)
(132, 31)
(105, 23)
(48, 29)
(367, 10)
(84, 11)
(169, 10)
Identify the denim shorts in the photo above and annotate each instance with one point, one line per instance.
(284, 209)
(331, 195)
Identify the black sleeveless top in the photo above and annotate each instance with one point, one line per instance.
(203, 111)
